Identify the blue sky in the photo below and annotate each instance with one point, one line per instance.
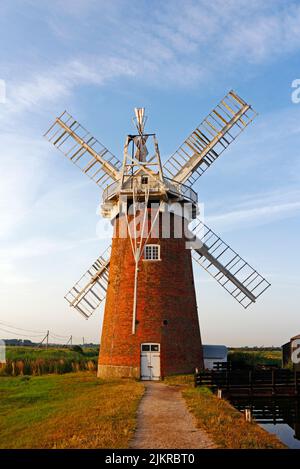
(99, 60)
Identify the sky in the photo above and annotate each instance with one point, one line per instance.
(99, 60)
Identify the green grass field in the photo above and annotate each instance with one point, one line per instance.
(32, 353)
(75, 410)
(255, 357)
(78, 410)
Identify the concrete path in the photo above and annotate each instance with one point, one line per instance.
(164, 421)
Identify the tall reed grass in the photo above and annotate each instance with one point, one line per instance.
(36, 362)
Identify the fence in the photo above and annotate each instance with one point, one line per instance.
(253, 382)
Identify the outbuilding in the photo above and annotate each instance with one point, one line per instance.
(288, 350)
(214, 354)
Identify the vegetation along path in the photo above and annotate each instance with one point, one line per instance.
(163, 421)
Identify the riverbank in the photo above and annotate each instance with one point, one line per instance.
(225, 425)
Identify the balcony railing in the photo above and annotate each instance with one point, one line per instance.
(185, 191)
(170, 185)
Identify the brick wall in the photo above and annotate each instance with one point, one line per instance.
(166, 308)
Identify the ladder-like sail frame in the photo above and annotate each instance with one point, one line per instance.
(230, 270)
(90, 290)
(206, 143)
(84, 150)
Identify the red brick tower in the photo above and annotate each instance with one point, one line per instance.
(166, 309)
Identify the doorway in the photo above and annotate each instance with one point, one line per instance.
(150, 361)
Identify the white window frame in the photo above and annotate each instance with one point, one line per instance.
(150, 248)
(150, 346)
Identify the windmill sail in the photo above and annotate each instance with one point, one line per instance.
(243, 282)
(84, 150)
(89, 292)
(209, 139)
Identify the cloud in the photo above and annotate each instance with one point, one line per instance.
(256, 210)
(56, 82)
(181, 43)
(255, 31)
(184, 43)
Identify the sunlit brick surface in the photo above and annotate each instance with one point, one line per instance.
(166, 310)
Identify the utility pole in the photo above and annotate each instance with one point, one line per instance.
(83, 341)
(45, 338)
(69, 341)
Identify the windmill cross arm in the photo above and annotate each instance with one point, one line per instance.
(206, 143)
(194, 162)
(204, 251)
(89, 284)
(84, 150)
(225, 265)
(90, 290)
(110, 169)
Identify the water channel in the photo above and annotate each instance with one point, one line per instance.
(280, 416)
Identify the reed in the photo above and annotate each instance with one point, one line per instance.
(34, 361)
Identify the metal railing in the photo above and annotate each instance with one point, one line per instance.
(182, 189)
(175, 187)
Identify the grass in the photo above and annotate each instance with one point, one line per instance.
(179, 380)
(226, 425)
(76, 410)
(255, 357)
(38, 361)
(32, 353)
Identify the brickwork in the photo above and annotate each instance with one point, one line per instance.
(166, 309)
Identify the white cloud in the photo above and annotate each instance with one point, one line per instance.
(228, 31)
(184, 42)
(50, 85)
(254, 210)
(181, 43)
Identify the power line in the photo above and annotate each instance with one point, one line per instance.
(34, 333)
(10, 326)
(59, 336)
(14, 333)
(6, 324)
(62, 341)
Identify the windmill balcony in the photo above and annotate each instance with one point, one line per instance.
(155, 187)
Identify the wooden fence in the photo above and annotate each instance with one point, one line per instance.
(251, 382)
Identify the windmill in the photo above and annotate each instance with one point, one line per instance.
(150, 326)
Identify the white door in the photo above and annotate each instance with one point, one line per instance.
(150, 361)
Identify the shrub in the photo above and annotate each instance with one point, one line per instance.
(77, 348)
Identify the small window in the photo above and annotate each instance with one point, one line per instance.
(146, 348)
(144, 180)
(155, 348)
(152, 252)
